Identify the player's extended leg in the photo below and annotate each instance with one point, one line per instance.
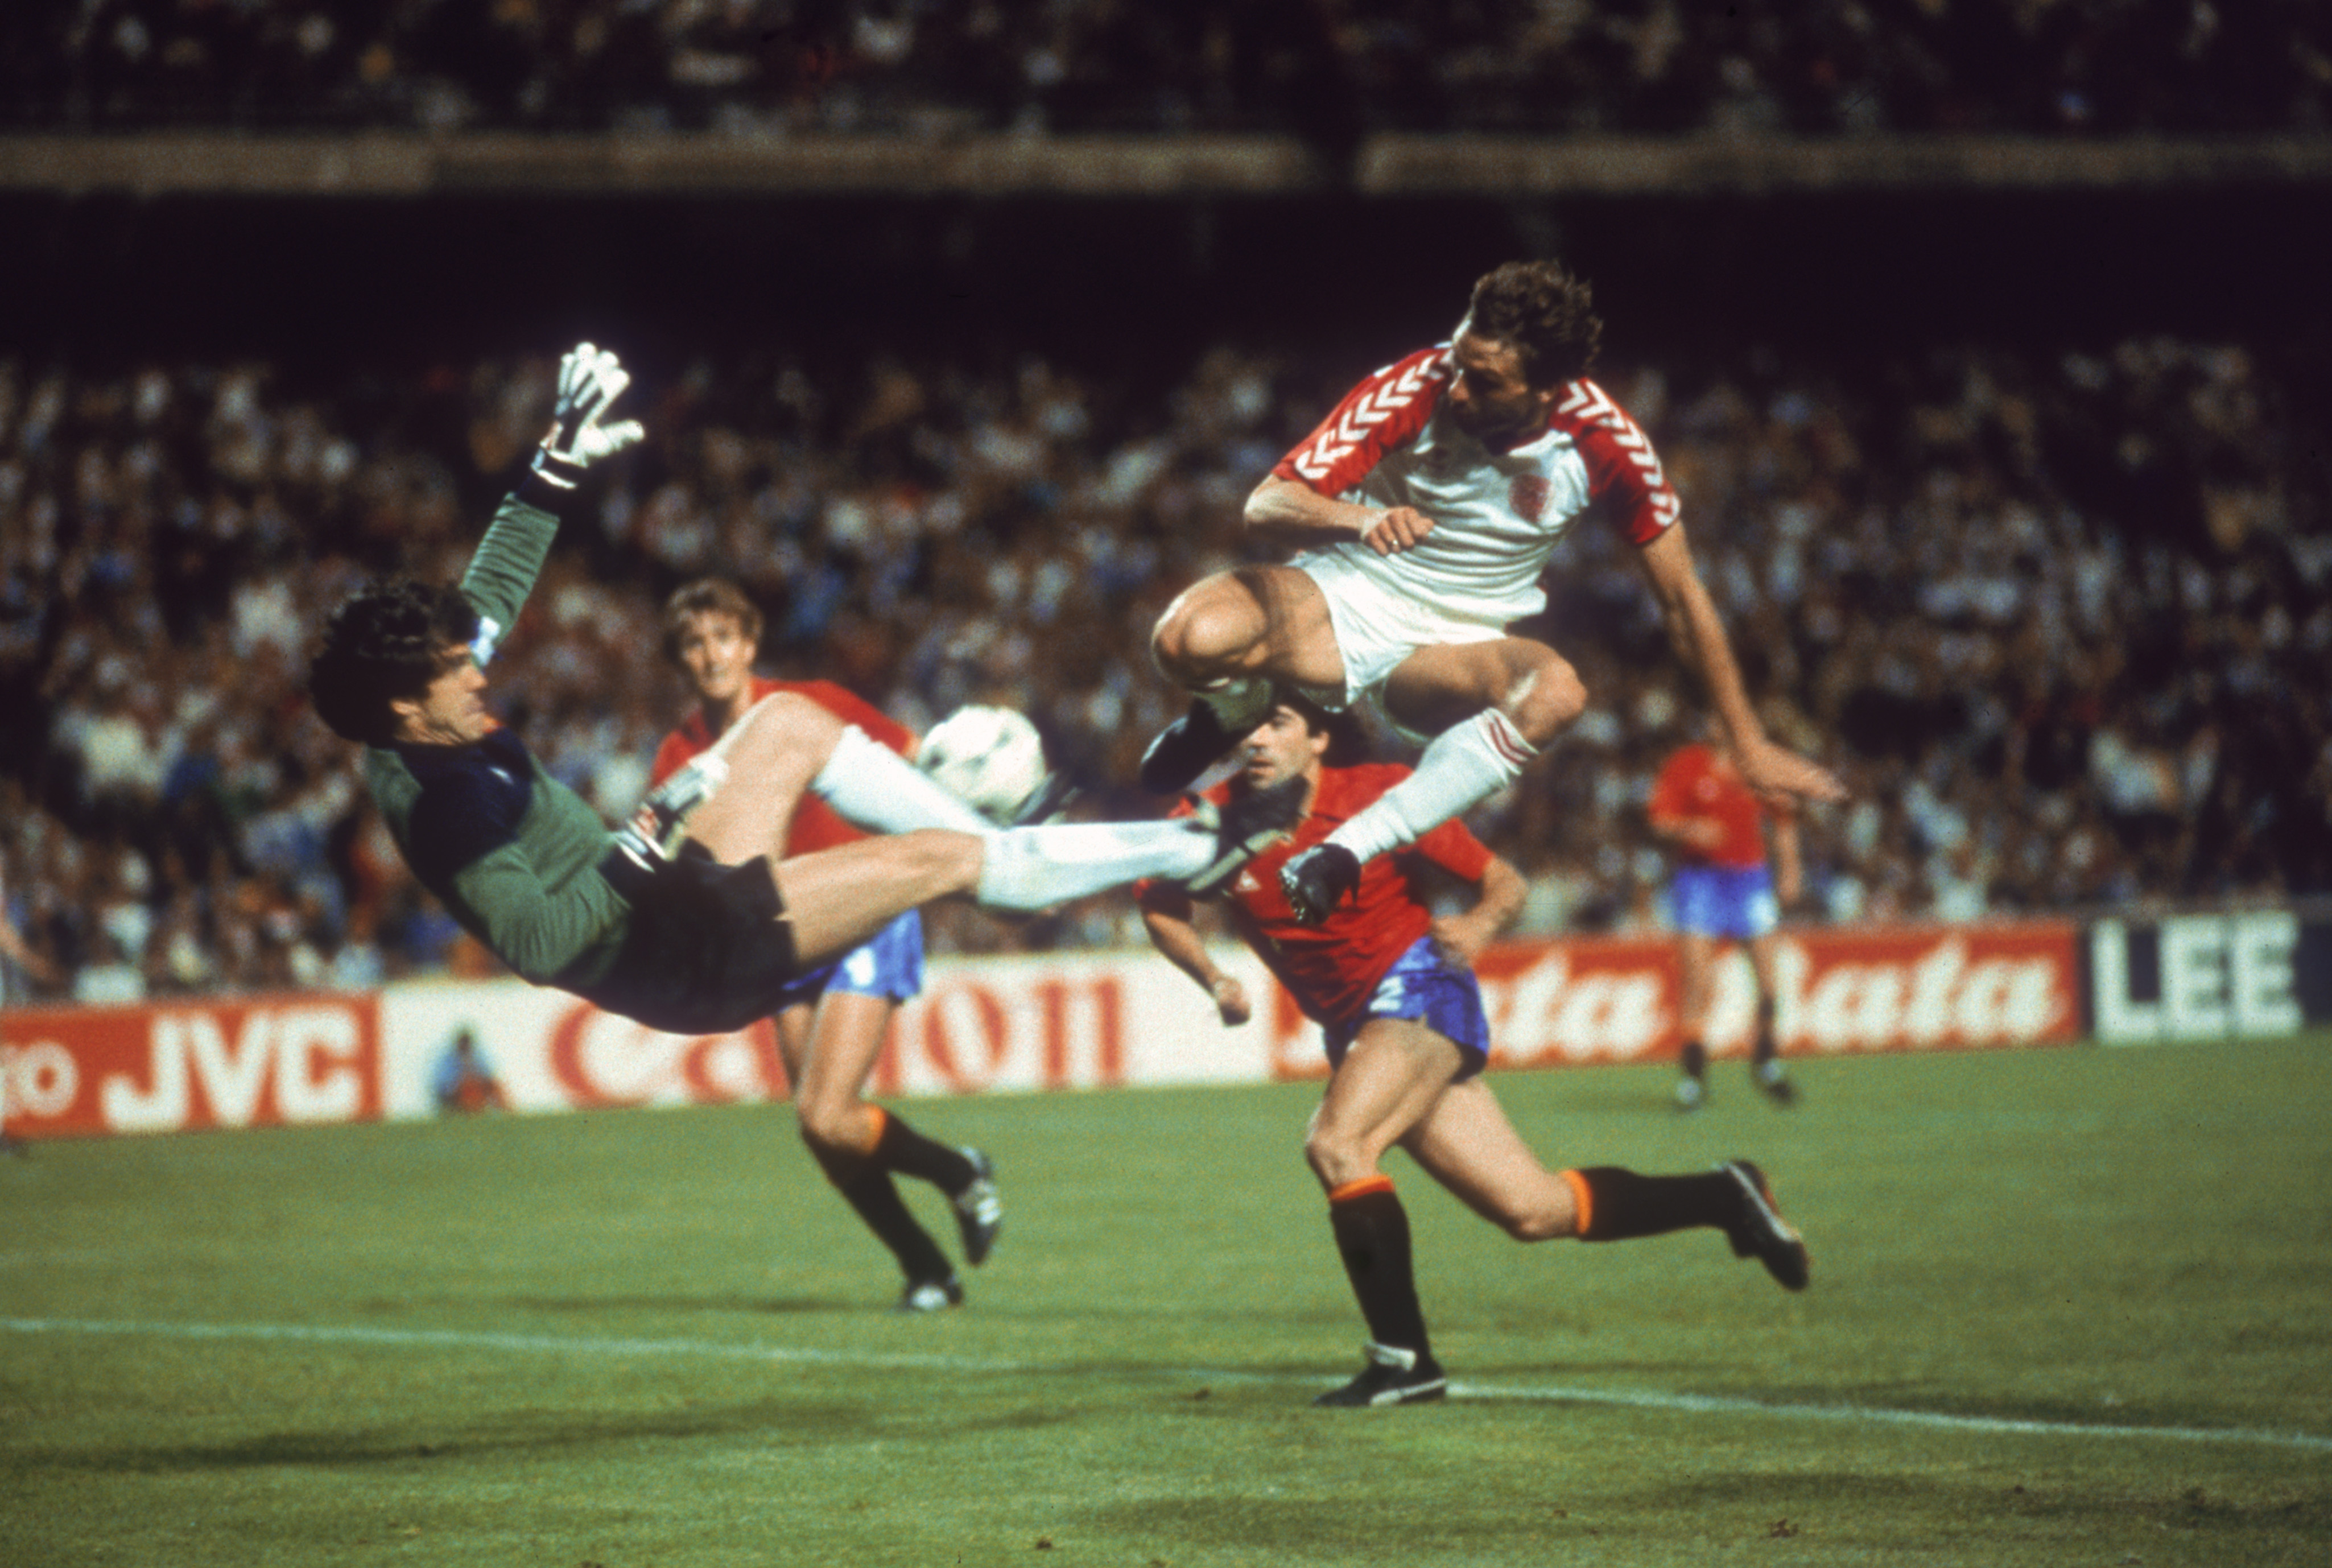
(1226, 638)
(1389, 1080)
(1765, 1061)
(1491, 707)
(838, 898)
(1697, 961)
(830, 1048)
(1466, 1144)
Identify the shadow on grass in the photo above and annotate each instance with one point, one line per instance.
(770, 1423)
(1355, 1529)
(778, 1423)
(745, 1306)
(2284, 1528)
(2300, 1513)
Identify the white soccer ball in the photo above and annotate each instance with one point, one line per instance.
(990, 758)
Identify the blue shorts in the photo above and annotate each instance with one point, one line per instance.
(890, 965)
(1424, 986)
(1723, 901)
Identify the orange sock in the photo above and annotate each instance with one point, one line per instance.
(1362, 1188)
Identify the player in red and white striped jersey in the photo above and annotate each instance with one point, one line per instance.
(1426, 506)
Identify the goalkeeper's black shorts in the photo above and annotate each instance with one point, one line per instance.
(707, 948)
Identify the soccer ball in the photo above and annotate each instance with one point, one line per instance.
(992, 759)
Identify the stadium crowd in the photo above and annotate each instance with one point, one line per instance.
(1330, 71)
(2060, 617)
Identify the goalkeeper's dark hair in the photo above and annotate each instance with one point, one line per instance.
(1544, 314)
(386, 643)
(708, 596)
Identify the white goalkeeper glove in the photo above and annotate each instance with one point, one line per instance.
(590, 380)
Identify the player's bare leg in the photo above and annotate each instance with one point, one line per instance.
(1766, 1056)
(1696, 980)
(1491, 707)
(1226, 638)
(1394, 1072)
(830, 1048)
(838, 898)
(1391, 1077)
(1438, 688)
(1466, 1144)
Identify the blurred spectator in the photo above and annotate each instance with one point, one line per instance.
(2060, 613)
(1327, 73)
(463, 1083)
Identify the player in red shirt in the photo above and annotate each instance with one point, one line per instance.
(1426, 506)
(831, 1023)
(1721, 892)
(1392, 985)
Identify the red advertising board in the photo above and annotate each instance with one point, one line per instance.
(1087, 1021)
(1610, 999)
(263, 1061)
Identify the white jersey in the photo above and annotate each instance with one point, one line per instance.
(1496, 514)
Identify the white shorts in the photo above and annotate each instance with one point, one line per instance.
(1377, 628)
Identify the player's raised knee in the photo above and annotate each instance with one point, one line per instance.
(1548, 702)
(1173, 640)
(1208, 624)
(790, 719)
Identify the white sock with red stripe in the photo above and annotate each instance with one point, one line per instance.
(1032, 868)
(1463, 767)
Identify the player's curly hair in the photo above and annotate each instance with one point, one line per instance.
(386, 643)
(708, 596)
(1541, 312)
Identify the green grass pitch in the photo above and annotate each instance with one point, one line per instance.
(2070, 1306)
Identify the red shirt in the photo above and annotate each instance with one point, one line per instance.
(1696, 786)
(1331, 969)
(815, 825)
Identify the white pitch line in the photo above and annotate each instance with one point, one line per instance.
(1648, 1399)
(1935, 1420)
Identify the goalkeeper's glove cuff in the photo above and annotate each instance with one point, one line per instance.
(556, 470)
(545, 490)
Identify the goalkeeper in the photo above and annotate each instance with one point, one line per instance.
(686, 919)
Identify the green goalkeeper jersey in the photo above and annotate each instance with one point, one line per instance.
(515, 856)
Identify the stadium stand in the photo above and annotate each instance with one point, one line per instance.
(2061, 612)
(1328, 74)
(2053, 586)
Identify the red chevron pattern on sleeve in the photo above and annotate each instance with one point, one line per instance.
(1623, 472)
(1380, 414)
